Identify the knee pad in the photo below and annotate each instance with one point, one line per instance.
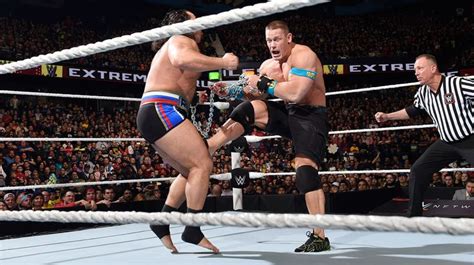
(192, 234)
(245, 115)
(307, 179)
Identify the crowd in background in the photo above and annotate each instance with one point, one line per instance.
(405, 33)
(396, 34)
(388, 35)
(48, 162)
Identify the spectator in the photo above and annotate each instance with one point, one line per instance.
(109, 196)
(10, 201)
(226, 188)
(362, 185)
(216, 190)
(3, 206)
(403, 181)
(126, 197)
(38, 201)
(24, 202)
(67, 200)
(467, 193)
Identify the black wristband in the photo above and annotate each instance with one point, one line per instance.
(264, 83)
(195, 99)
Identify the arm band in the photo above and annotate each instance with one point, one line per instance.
(236, 92)
(266, 85)
(303, 72)
(413, 111)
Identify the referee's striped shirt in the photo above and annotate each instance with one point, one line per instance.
(451, 107)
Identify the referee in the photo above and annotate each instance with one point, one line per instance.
(449, 101)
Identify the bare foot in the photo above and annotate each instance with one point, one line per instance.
(207, 244)
(168, 243)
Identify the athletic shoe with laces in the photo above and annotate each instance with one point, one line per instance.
(314, 244)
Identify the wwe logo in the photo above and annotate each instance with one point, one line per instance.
(51, 70)
(240, 180)
(332, 69)
(239, 149)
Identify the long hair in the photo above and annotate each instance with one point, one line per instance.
(171, 17)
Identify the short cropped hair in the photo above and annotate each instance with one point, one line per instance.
(429, 57)
(278, 24)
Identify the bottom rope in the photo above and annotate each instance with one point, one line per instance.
(432, 225)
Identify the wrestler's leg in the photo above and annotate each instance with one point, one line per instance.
(234, 127)
(185, 149)
(315, 199)
(173, 201)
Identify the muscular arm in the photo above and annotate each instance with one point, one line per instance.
(297, 87)
(184, 54)
(272, 69)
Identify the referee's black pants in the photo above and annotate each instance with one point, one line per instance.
(437, 156)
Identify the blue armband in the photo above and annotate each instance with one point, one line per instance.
(303, 72)
(266, 85)
(271, 88)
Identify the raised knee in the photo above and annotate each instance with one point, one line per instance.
(307, 179)
(244, 114)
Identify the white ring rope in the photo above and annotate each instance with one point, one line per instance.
(80, 184)
(59, 95)
(257, 175)
(219, 105)
(381, 129)
(250, 138)
(223, 176)
(43, 94)
(201, 23)
(461, 226)
(360, 90)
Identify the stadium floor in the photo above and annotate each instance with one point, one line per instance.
(136, 244)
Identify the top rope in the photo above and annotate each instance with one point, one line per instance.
(224, 18)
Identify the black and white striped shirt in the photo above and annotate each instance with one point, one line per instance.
(451, 107)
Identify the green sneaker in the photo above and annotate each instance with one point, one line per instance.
(314, 244)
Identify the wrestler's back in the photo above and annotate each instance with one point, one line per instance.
(163, 76)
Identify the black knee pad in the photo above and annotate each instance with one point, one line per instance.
(245, 115)
(307, 179)
(192, 234)
(163, 230)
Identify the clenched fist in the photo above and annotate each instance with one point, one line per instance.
(381, 117)
(231, 62)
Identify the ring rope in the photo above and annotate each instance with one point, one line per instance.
(219, 105)
(43, 94)
(461, 226)
(360, 90)
(188, 26)
(257, 175)
(222, 176)
(250, 138)
(80, 184)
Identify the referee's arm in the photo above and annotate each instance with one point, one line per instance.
(403, 114)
